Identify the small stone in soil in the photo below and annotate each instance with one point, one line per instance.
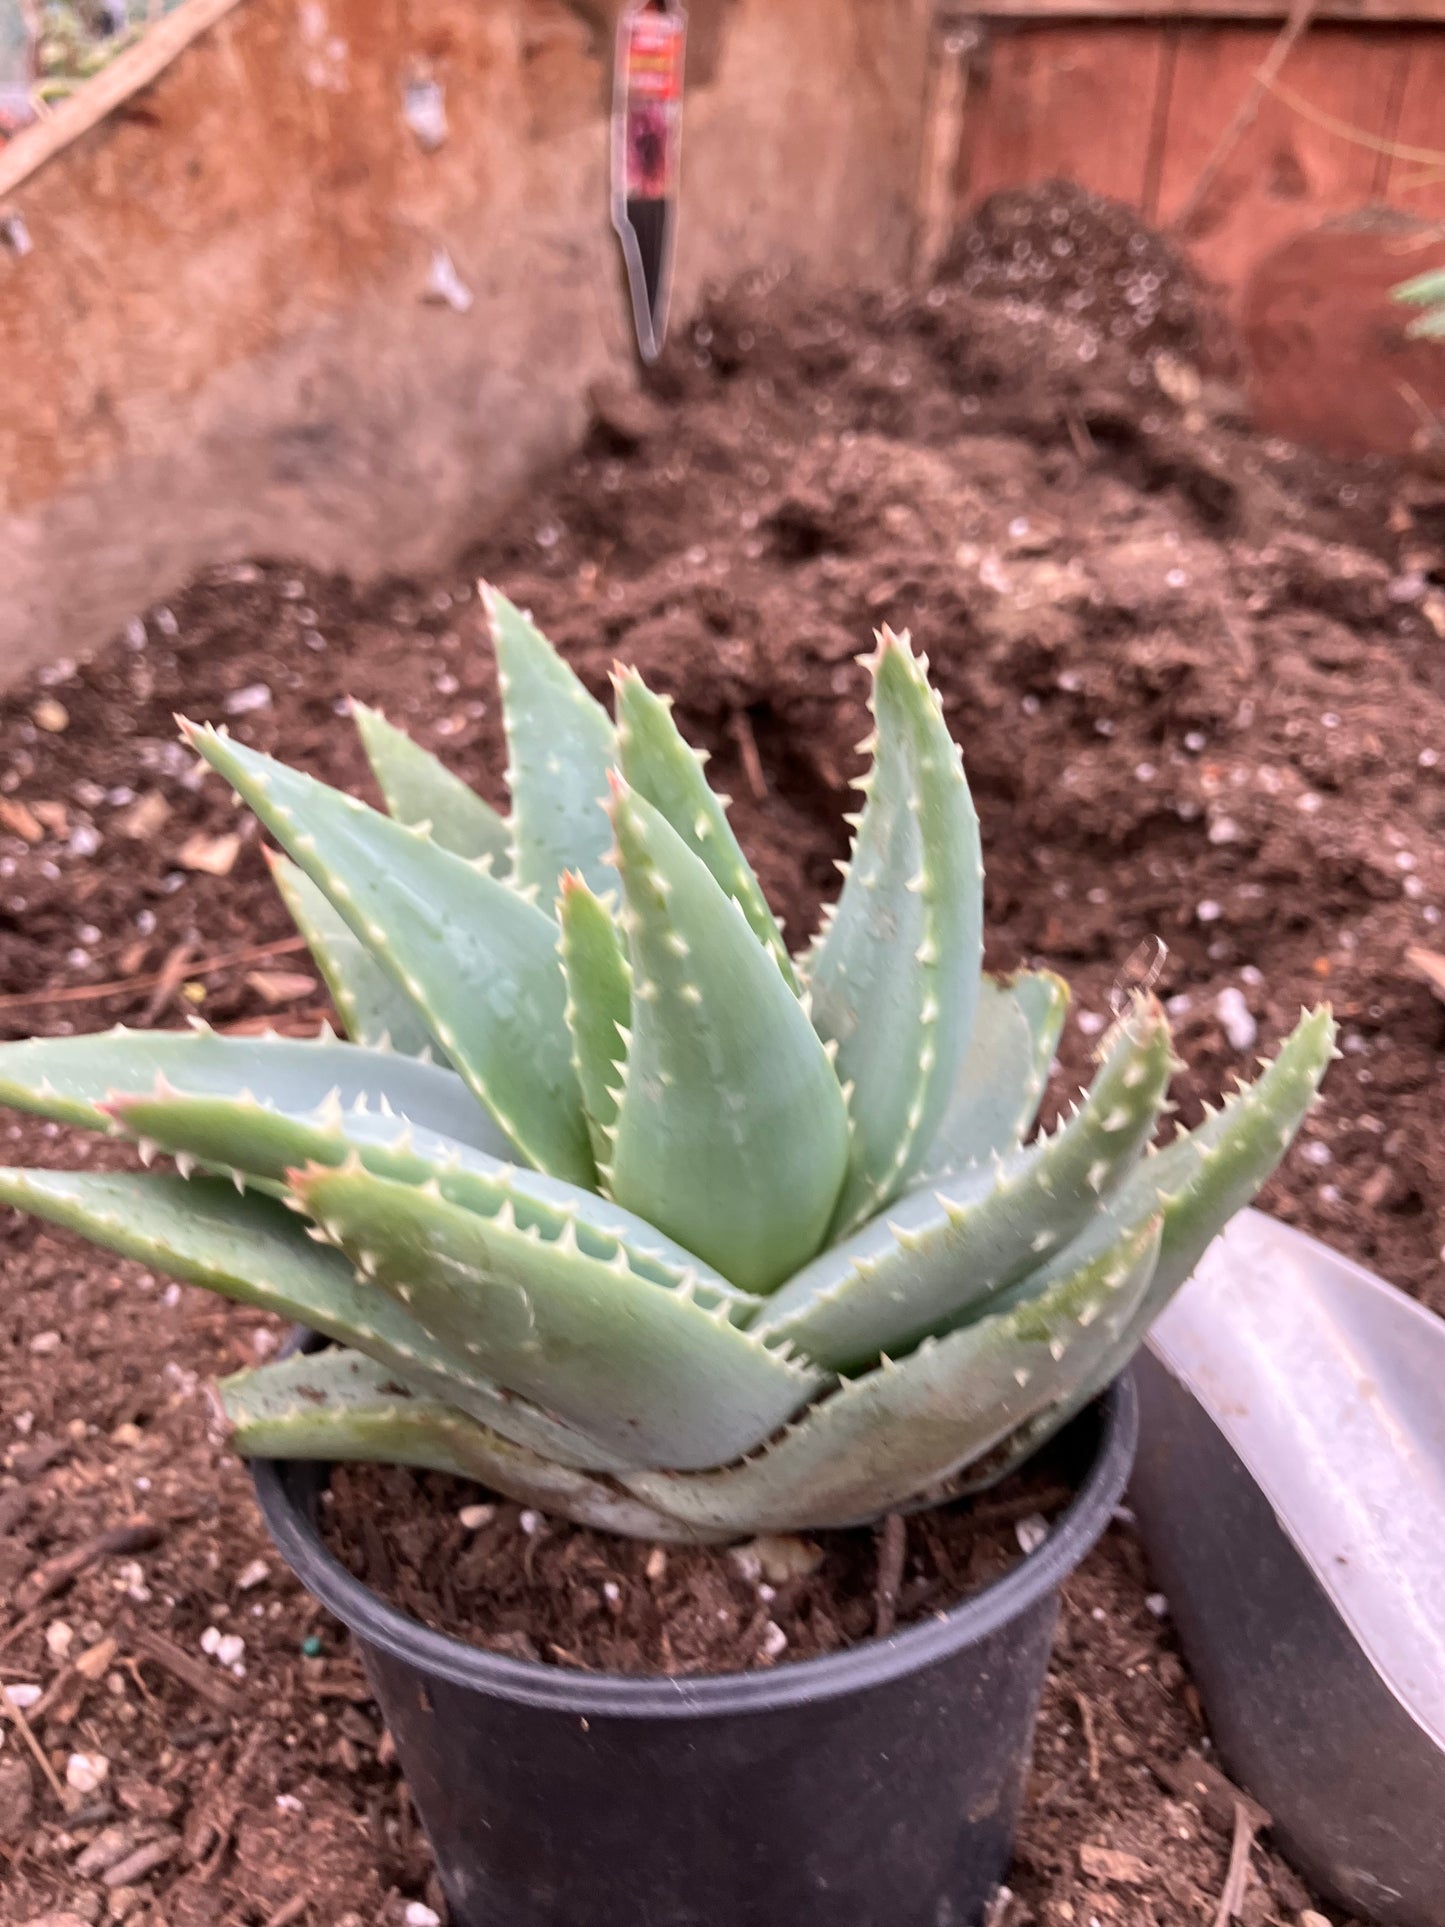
(782, 1556)
(1235, 1017)
(85, 1772)
(245, 701)
(1031, 1532)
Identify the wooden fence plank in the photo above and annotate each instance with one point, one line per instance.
(1411, 183)
(1327, 350)
(1075, 103)
(1423, 12)
(1287, 173)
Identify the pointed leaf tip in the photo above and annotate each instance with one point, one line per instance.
(895, 973)
(477, 962)
(660, 766)
(560, 744)
(422, 793)
(729, 1094)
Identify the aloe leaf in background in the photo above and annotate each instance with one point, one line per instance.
(731, 1132)
(1208, 1174)
(477, 961)
(421, 790)
(599, 1005)
(367, 1000)
(1426, 291)
(1000, 1084)
(560, 747)
(895, 979)
(667, 772)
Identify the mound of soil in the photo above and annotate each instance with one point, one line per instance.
(1199, 679)
(1077, 255)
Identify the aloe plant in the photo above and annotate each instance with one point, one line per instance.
(1426, 291)
(612, 1203)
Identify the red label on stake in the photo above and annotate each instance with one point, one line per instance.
(646, 152)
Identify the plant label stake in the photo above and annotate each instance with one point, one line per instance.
(646, 151)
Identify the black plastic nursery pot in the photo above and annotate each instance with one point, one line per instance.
(877, 1787)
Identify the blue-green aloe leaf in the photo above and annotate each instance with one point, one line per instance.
(873, 1444)
(667, 772)
(1001, 1081)
(337, 1405)
(260, 1144)
(599, 1004)
(1207, 1175)
(1427, 291)
(560, 746)
(660, 1376)
(71, 1078)
(367, 1000)
(894, 978)
(731, 1133)
(1423, 288)
(478, 962)
(251, 1249)
(1198, 1183)
(941, 1254)
(421, 790)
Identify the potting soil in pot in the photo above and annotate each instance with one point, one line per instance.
(507, 1578)
(1200, 685)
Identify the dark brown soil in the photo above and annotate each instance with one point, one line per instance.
(517, 1583)
(1200, 683)
(1089, 259)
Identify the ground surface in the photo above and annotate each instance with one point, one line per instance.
(1200, 684)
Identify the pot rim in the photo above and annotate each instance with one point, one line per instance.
(288, 1489)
